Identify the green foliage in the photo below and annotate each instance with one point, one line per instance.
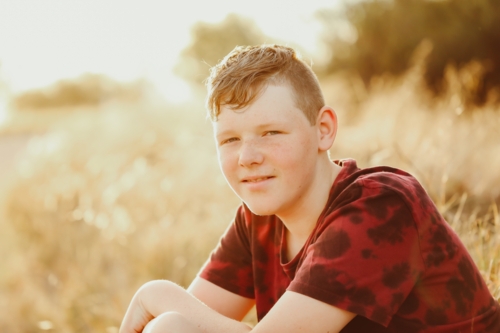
(211, 42)
(388, 31)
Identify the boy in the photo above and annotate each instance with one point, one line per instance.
(317, 246)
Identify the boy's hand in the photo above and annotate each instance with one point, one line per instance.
(163, 304)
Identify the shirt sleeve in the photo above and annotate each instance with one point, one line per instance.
(230, 263)
(366, 256)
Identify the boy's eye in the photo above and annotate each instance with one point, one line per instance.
(272, 132)
(228, 140)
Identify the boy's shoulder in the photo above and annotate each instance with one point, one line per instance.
(376, 176)
(379, 181)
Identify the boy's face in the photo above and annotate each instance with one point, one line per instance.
(268, 152)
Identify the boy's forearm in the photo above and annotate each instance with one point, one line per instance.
(158, 297)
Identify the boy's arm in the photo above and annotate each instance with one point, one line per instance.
(297, 313)
(293, 313)
(224, 302)
(160, 297)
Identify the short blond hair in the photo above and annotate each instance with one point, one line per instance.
(239, 78)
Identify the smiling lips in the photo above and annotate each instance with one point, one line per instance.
(256, 179)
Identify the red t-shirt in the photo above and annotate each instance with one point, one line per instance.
(380, 249)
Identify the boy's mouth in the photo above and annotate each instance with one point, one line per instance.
(256, 179)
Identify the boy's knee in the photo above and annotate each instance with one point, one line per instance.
(158, 287)
(157, 284)
(170, 322)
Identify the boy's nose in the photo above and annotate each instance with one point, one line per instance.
(250, 155)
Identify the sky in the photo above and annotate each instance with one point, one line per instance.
(46, 40)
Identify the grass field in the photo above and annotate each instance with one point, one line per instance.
(105, 200)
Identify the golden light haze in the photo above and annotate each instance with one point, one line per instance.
(99, 195)
(44, 41)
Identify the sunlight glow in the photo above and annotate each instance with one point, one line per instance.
(3, 111)
(126, 40)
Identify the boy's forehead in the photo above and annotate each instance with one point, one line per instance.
(274, 105)
(266, 93)
(267, 96)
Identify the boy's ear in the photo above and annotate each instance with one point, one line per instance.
(327, 127)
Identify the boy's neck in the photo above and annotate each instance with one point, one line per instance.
(301, 222)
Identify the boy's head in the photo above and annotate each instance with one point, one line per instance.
(274, 155)
(239, 78)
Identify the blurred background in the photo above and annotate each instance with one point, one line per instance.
(108, 172)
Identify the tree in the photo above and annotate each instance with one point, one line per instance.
(388, 31)
(211, 42)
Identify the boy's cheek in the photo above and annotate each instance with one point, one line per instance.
(228, 171)
(227, 161)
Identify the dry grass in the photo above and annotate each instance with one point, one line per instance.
(102, 206)
(452, 150)
(105, 201)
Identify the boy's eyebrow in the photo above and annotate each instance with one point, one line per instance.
(259, 127)
(266, 125)
(223, 133)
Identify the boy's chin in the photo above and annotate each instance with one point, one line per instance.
(260, 210)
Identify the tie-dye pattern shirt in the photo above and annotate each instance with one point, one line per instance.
(380, 249)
